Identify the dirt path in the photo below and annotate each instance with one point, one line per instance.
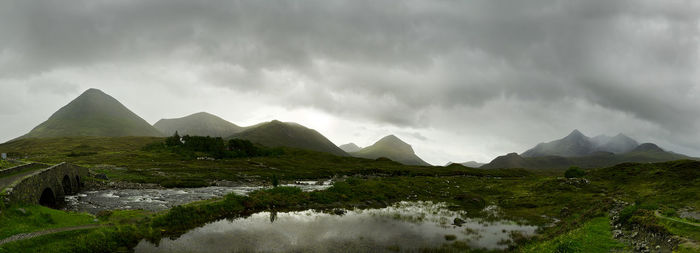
(25, 236)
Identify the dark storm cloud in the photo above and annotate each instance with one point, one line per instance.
(395, 62)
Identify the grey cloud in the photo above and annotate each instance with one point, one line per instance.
(387, 61)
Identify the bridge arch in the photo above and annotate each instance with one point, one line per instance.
(78, 183)
(48, 198)
(67, 187)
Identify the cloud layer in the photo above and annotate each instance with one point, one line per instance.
(461, 80)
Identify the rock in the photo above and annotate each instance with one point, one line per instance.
(617, 234)
(458, 222)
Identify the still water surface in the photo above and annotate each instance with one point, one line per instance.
(405, 226)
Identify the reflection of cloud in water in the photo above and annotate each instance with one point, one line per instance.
(367, 230)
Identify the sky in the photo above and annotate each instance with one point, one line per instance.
(459, 80)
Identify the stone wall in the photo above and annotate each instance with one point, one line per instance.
(8, 171)
(30, 188)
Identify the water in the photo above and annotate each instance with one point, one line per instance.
(406, 226)
(159, 199)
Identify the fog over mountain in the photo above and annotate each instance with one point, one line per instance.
(458, 80)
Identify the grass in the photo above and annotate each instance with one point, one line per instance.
(48, 243)
(679, 226)
(6, 164)
(35, 218)
(593, 236)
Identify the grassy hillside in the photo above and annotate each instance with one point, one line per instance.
(285, 134)
(199, 124)
(393, 148)
(93, 113)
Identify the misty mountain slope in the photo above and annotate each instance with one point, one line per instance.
(393, 148)
(350, 147)
(575, 144)
(287, 134)
(93, 113)
(644, 153)
(618, 144)
(578, 144)
(201, 124)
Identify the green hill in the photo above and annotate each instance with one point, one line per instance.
(93, 113)
(393, 148)
(287, 134)
(200, 124)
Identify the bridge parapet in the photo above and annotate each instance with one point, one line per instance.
(47, 186)
(22, 167)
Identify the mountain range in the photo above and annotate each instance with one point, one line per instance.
(393, 148)
(576, 149)
(200, 124)
(577, 144)
(93, 113)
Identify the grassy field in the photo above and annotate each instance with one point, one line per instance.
(593, 237)
(29, 218)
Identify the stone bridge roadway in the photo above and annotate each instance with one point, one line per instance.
(40, 184)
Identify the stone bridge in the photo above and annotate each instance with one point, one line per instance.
(45, 186)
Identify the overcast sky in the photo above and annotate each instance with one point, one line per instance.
(459, 80)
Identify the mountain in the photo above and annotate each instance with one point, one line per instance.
(577, 144)
(287, 134)
(470, 164)
(350, 147)
(200, 124)
(617, 144)
(393, 148)
(644, 153)
(93, 113)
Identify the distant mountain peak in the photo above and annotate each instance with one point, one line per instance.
(393, 148)
(350, 147)
(93, 113)
(576, 134)
(200, 124)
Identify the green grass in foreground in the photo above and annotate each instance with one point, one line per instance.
(594, 236)
(47, 243)
(35, 218)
